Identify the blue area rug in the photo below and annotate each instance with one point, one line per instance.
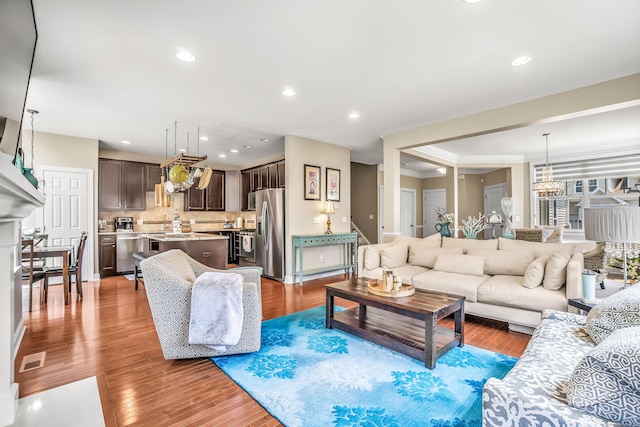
(306, 375)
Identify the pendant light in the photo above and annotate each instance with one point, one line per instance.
(29, 173)
(547, 187)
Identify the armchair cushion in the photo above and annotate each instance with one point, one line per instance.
(618, 311)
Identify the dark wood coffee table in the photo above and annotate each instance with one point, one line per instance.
(408, 325)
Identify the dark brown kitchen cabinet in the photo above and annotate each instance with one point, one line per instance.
(280, 168)
(209, 199)
(153, 174)
(246, 189)
(121, 185)
(107, 255)
(109, 184)
(273, 175)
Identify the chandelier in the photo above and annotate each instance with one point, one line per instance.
(548, 187)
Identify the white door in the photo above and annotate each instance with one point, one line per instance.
(492, 196)
(432, 200)
(408, 212)
(67, 211)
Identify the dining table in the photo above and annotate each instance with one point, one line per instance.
(65, 252)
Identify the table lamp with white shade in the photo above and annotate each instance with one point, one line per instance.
(328, 209)
(618, 227)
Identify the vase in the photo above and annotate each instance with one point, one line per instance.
(588, 286)
(443, 229)
(508, 230)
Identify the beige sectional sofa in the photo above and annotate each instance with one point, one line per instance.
(501, 279)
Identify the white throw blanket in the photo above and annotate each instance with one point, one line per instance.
(216, 310)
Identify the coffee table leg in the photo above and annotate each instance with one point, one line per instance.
(329, 309)
(458, 317)
(430, 338)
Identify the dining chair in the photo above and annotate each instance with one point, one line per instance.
(75, 269)
(30, 274)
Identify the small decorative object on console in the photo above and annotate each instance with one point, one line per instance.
(472, 226)
(378, 287)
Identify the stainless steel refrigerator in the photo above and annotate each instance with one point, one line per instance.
(270, 232)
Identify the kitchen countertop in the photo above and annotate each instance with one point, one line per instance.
(171, 237)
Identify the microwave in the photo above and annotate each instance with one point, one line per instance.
(251, 203)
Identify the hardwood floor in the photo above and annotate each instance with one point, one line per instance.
(110, 335)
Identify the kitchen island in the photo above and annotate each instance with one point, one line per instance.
(208, 249)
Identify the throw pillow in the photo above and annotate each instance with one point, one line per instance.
(426, 257)
(534, 274)
(619, 311)
(395, 255)
(606, 382)
(509, 263)
(461, 264)
(555, 272)
(372, 255)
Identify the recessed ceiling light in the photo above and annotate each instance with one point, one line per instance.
(288, 92)
(182, 150)
(248, 146)
(265, 139)
(354, 115)
(126, 142)
(186, 56)
(405, 164)
(471, 1)
(234, 151)
(204, 138)
(222, 155)
(521, 60)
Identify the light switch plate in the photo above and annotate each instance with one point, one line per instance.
(344, 219)
(192, 221)
(140, 222)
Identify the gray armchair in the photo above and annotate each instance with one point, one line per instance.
(168, 279)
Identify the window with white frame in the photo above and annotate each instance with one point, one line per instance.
(612, 181)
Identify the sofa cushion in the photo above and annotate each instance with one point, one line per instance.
(462, 264)
(508, 291)
(395, 254)
(426, 256)
(606, 382)
(452, 283)
(555, 271)
(467, 244)
(406, 271)
(534, 274)
(372, 255)
(513, 263)
(538, 248)
(620, 310)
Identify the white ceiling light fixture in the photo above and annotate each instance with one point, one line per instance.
(471, 1)
(521, 60)
(182, 150)
(126, 142)
(247, 146)
(234, 150)
(265, 139)
(288, 91)
(186, 56)
(547, 187)
(204, 138)
(354, 115)
(222, 156)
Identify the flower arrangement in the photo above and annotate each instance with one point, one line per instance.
(472, 226)
(443, 215)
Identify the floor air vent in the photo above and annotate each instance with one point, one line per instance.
(32, 361)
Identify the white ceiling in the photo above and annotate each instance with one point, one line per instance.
(108, 71)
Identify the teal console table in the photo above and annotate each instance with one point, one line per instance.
(348, 240)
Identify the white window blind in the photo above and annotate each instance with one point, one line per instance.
(608, 167)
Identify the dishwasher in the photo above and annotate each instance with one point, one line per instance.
(128, 243)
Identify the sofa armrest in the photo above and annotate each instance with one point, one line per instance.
(361, 252)
(574, 276)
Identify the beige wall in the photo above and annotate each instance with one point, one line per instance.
(300, 213)
(364, 199)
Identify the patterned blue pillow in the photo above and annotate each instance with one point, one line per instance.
(606, 382)
(620, 310)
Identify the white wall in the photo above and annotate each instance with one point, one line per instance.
(300, 213)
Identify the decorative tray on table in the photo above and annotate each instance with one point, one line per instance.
(376, 288)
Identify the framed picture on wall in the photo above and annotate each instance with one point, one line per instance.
(311, 182)
(333, 185)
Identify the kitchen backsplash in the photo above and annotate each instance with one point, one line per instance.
(153, 218)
